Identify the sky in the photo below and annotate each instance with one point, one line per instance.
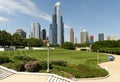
(95, 16)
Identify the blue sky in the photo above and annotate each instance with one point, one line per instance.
(96, 16)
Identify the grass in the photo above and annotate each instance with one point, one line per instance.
(86, 58)
(71, 56)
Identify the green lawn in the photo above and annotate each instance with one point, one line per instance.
(72, 57)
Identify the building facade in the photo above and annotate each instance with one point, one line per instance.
(21, 32)
(56, 32)
(100, 37)
(72, 35)
(111, 38)
(43, 34)
(35, 30)
(91, 39)
(84, 37)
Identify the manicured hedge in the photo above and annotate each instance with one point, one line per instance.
(24, 58)
(4, 59)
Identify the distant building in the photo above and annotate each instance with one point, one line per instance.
(21, 32)
(84, 37)
(100, 37)
(43, 34)
(111, 38)
(56, 32)
(76, 40)
(35, 30)
(72, 35)
(91, 39)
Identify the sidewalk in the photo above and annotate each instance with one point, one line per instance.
(114, 70)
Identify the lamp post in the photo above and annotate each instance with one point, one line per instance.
(48, 58)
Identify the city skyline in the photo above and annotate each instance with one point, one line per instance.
(96, 16)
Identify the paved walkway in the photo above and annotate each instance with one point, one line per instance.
(114, 71)
(25, 78)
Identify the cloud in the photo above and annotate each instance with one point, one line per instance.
(67, 26)
(3, 19)
(26, 7)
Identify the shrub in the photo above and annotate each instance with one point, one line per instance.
(24, 58)
(4, 59)
(32, 66)
(20, 66)
(43, 65)
(59, 62)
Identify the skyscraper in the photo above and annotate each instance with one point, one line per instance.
(35, 30)
(43, 34)
(91, 39)
(56, 33)
(100, 37)
(21, 32)
(71, 35)
(76, 40)
(84, 37)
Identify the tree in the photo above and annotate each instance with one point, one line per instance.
(105, 44)
(67, 45)
(16, 40)
(5, 38)
(34, 42)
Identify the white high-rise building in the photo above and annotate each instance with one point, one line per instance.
(84, 37)
(35, 30)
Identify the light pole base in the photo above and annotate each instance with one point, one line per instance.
(48, 70)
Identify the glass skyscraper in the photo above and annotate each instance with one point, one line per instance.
(56, 33)
(43, 34)
(100, 37)
(35, 30)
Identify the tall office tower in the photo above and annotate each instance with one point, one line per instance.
(84, 37)
(91, 39)
(35, 30)
(56, 33)
(43, 34)
(53, 31)
(100, 37)
(21, 32)
(111, 38)
(72, 35)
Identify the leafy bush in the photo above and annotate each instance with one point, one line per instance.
(59, 62)
(20, 66)
(32, 66)
(43, 65)
(24, 58)
(4, 59)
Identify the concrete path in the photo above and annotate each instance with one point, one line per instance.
(114, 71)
